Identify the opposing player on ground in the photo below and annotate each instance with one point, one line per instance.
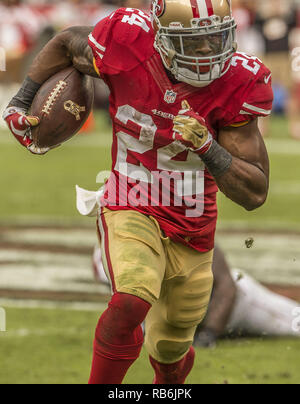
(184, 107)
(242, 306)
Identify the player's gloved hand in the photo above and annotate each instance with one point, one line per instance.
(205, 338)
(20, 126)
(191, 130)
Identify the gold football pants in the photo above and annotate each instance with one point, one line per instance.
(174, 279)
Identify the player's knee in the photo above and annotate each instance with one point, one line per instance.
(187, 319)
(126, 312)
(172, 351)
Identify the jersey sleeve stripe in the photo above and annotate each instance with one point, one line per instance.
(254, 109)
(94, 42)
(100, 55)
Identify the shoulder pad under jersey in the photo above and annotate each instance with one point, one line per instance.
(122, 40)
(246, 90)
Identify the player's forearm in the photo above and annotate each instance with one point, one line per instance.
(220, 309)
(245, 184)
(224, 295)
(242, 182)
(69, 47)
(53, 58)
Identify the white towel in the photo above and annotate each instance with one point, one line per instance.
(88, 202)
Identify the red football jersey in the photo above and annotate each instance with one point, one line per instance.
(151, 172)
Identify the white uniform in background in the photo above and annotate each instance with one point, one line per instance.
(258, 311)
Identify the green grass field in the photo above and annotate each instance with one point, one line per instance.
(55, 346)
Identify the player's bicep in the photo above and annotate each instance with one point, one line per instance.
(246, 143)
(80, 50)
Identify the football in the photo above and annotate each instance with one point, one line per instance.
(63, 104)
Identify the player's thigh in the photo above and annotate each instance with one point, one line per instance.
(172, 321)
(133, 255)
(188, 291)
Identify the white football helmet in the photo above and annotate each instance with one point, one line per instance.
(195, 38)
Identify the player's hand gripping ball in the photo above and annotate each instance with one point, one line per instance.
(20, 126)
(58, 111)
(191, 130)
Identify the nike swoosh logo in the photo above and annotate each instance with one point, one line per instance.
(267, 79)
(17, 132)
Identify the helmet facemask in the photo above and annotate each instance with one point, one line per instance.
(181, 48)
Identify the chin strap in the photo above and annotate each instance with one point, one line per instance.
(171, 54)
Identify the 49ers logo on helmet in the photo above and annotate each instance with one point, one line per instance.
(159, 7)
(205, 22)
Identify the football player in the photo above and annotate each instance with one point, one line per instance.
(184, 107)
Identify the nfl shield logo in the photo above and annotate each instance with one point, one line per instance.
(170, 96)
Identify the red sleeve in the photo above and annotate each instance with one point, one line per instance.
(252, 96)
(121, 41)
(258, 103)
(258, 100)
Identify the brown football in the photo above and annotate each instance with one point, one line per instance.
(63, 104)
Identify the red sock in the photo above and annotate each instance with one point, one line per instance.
(175, 373)
(119, 339)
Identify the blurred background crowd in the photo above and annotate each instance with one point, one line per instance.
(269, 29)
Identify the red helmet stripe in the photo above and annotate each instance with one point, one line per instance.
(209, 6)
(195, 8)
